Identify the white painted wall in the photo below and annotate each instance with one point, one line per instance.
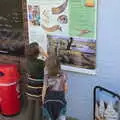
(80, 95)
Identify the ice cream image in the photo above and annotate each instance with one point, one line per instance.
(110, 113)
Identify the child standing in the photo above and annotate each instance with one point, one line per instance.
(35, 74)
(54, 88)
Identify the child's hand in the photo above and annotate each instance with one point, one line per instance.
(43, 53)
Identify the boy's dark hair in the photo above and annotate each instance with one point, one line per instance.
(33, 50)
(53, 65)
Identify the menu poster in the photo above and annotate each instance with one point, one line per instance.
(67, 27)
(11, 28)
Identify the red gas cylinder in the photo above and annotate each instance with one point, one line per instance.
(9, 90)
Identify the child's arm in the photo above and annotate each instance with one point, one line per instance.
(65, 82)
(43, 52)
(44, 84)
(44, 92)
(65, 87)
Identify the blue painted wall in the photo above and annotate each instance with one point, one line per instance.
(80, 95)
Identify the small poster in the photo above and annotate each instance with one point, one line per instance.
(107, 105)
(83, 18)
(67, 27)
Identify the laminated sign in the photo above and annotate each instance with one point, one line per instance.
(106, 104)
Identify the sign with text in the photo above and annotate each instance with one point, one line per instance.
(11, 27)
